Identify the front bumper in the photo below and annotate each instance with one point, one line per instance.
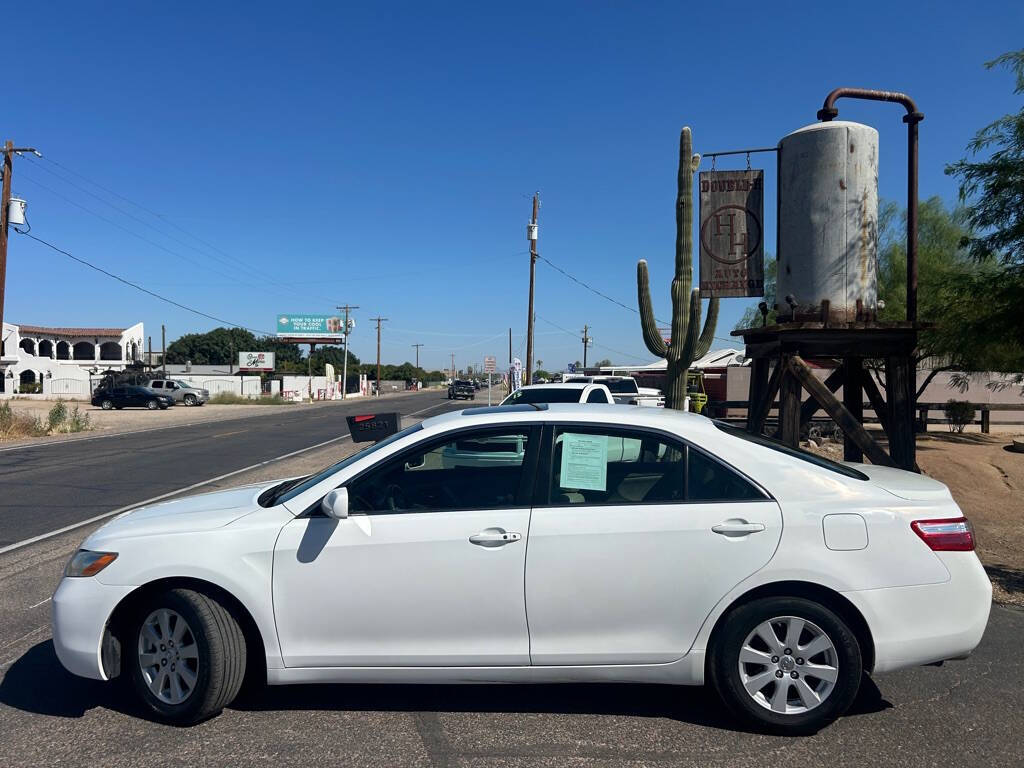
(918, 625)
(81, 608)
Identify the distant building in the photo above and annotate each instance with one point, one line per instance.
(60, 361)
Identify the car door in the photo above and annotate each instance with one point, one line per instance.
(624, 562)
(427, 570)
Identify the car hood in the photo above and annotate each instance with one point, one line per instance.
(203, 512)
(906, 485)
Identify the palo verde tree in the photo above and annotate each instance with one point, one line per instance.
(685, 345)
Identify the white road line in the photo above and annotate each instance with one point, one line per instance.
(119, 510)
(39, 603)
(25, 636)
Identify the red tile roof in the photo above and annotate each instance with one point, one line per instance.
(40, 330)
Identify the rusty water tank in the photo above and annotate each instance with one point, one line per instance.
(828, 221)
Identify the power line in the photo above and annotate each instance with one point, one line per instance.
(605, 296)
(138, 287)
(576, 336)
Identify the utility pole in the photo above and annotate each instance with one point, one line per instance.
(5, 206)
(163, 350)
(417, 354)
(378, 320)
(149, 359)
(586, 343)
(510, 346)
(453, 366)
(344, 363)
(531, 235)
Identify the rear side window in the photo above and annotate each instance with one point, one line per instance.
(597, 396)
(622, 466)
(157, 385)
(777, 445)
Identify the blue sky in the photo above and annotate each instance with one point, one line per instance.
(383, 154)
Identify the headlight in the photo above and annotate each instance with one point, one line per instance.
(86, 563)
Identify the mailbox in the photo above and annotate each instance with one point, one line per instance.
(371, 427)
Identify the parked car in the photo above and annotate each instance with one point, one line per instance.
(700, 554)
(461, 388)
(560, 393)
(130, 396)
(180, 391)
(624, 389)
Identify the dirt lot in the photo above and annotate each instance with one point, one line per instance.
(987, 481)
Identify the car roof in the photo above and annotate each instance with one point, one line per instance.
(556, 385)
(595, 413)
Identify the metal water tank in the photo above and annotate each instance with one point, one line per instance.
(828, 221)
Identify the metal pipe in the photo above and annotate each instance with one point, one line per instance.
(828, 112)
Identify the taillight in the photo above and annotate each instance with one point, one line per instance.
(952, 534)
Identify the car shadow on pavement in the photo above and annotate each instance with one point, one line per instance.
(37, 683)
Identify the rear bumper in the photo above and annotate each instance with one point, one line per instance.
(924, 624)
(81, 608)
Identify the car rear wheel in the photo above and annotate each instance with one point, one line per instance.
(152, 405)
(189, 656)
(190, 400)
(786, 664)
(106, 405)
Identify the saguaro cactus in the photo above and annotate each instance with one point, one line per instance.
(685, 346)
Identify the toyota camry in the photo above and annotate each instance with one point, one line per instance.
(536, 544)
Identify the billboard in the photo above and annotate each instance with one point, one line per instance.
(310, 326)
(255, 361)
(731, 233)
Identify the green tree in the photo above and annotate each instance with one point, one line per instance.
(993, 185)
(955, 291)
(752, 316)
(605, 363)
(221, 346)
(336, 357)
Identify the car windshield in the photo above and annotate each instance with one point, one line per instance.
(777, 445)
(291, 488)
(544, 395)
(621, 386)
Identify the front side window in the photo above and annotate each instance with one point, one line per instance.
(478, 469)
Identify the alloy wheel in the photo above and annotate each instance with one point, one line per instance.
(788, 665)
(168, 656)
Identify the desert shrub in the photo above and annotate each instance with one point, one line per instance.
(959, 413)
(58, 413)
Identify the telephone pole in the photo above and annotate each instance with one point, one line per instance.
(417, 354)
(453, 367)
(163, 350)
(344, 363)
(531, 235)
(5, 206)
(586, 343)
(378, 320)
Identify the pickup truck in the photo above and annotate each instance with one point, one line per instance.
(624, 389)
(461, 388)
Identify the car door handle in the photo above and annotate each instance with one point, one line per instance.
(494, 537)
(737, 528)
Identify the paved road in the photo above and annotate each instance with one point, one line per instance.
(47, 487)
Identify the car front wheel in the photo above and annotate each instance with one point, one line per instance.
(188, 656)
(789, 665)
(152, 405)
(106, 405)
(190, 400)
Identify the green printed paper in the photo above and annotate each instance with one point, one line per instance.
(584, 462)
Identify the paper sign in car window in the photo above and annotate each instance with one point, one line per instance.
(584, 462)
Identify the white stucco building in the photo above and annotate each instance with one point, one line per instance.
(60, 361)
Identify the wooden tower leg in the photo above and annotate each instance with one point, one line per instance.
(853, 399)
(789, 405)
(900, 400)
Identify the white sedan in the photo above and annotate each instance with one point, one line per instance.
(587, 543)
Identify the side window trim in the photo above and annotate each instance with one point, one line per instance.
(543, 494)
(523, 494)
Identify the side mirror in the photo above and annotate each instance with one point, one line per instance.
(335, 504)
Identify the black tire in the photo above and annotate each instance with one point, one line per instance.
(724, 665)
(106, 405)
(221, 656)
(189, 400)
(152, 405)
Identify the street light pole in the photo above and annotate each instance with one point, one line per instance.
(378, 320)
(5, 205)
